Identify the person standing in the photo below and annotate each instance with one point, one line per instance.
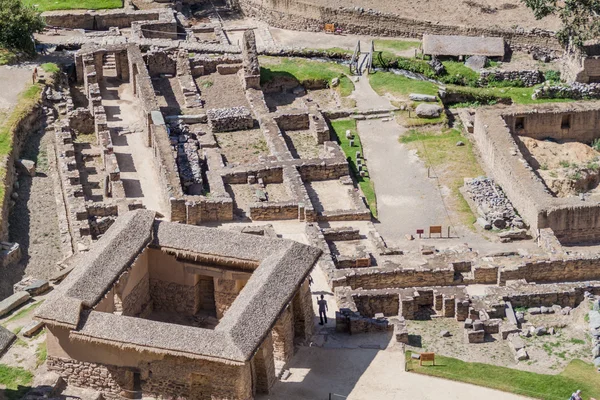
(322, 309)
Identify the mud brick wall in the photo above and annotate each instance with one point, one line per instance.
(369, 305)
(269, 211)
(170, 296)
(85, 374)
(300, 15)
(283, 336)
(376, 278)
(562, 270)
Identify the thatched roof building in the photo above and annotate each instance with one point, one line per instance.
(456, 46)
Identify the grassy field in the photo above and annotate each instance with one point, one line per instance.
(398, 85)
(26, 102)
(391, 47)
(577, 375)
(451, 164)
(15, 380)
(365, 183)
(50, 5)
(299, 68)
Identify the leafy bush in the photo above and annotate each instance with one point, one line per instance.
(552, 75)
(19, 23)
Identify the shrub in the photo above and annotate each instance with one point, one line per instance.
(552, 75)
(19, 23)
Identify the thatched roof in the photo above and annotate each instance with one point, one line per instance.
(97, 270)
(282, 266)
(442, 45)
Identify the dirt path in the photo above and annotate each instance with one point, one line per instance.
(133, 155)
(365, 374)
(33, 220)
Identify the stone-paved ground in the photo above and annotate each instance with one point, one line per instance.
(33, 219)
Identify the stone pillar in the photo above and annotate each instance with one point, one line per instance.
(283, 336)
(226, 290)
(304, 322)
(99, 63)
(264, 366)
(79, 68)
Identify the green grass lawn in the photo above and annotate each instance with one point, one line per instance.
(519, 95)
(50, 5)
(391, 47)
(16, 380)
(27, 101)
(366, 185)
(577, 375)
(451, 164)
(398, 85)
(304, 71)
(50, 68)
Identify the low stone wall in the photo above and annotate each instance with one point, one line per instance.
(269, 211)
(528, 77)
(576, 91)
(341, 233)
(99, 20)
(230, 119)
(85, 374)
(382, 278)
(561, 270)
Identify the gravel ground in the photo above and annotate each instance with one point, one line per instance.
(33, 220)
(242, 147)
(221, 91)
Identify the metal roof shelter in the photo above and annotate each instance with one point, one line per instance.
(455, 46)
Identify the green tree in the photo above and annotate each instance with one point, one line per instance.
(580, 18)
(18, 23)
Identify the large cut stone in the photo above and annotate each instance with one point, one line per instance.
(26, 166)
(12, 302)
(594, 319)
(422, 97)
(6, 338)
(522, 355)
(476, 63)
(428, 111)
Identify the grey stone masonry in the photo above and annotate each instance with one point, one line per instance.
(230, 119)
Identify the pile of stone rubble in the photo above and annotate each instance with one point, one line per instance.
(230, 119)
(188, 160)
(575, 90)
(493, 207)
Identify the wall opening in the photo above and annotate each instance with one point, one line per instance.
(520, 123)
(566, 122)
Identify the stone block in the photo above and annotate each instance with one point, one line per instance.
(12, 302)
(26, 166)
(522, 355)
(476, 336)
(31, 328)
(6, 339)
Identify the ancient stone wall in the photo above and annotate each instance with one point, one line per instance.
(528, 77)
(378, 278)
(264, 366)
(135, 302)
(160, 62)
(283, 336)
(85, 374)
(561, 270)
(299, 15)
(369, 305)
(99, 20)
(170, 296)
(270, 211)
